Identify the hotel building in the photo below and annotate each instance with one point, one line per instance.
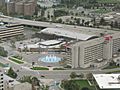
(90, 47)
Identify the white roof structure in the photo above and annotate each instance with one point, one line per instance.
(49, 42)
(107, 81)
(44, 44)
(67, 33)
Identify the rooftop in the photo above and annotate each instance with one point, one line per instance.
(107, 81)
(49, 42)
(10, 80)
(79, 33)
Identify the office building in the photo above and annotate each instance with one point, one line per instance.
(10, 30)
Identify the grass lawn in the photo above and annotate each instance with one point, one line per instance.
(40, 68)
(2, 65)
(84, 83)
(102, 11)
(58, 69)
(111, 67)
(108, 1)
(18, 57)
(117, 71)
(16, 60)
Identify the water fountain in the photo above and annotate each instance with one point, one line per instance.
(50, 59)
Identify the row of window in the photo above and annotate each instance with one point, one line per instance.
(94, 52)
(116, 45)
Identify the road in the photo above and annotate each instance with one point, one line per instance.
(56, 74)
(45, 24)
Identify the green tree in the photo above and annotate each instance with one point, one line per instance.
(116, 24)
(102, 21)
(3, 52)
(112, 24)
(12, 73)
(70, 85)
(44, 87)
(73, 75)
(85, 88)
(78, 21)
(80, 75)
(59, 20)
(34, 81)
(89, 76)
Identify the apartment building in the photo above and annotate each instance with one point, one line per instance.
(21, 7)
(11, 8)
(2, 3)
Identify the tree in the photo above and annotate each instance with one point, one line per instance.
(12, 73)
(102, 21)
(89, 76)
(73, 75)
(33, 63)
(112, 24)
(26, 79)
(3, 52)
(80, 75)
(112, 63)
(83, 21)
(78, 21)
(59, 20)
(70, 85)
(119, 50)
(34, 81)
(85, 88)
(116, 24)
(44, 87)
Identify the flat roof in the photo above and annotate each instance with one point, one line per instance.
(68, 33)
(8, 79)
(49, 42)
(44, 44)
(107, 81)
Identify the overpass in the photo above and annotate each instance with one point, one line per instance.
(41, 25)
(26, 22)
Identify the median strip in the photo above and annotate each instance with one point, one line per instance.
(16, 60)
(39, 68)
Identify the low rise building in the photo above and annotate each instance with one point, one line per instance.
(10, 30)
(108, 81)
(12, 84)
